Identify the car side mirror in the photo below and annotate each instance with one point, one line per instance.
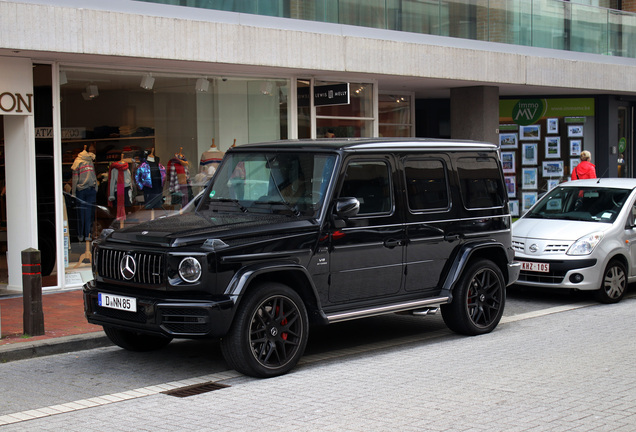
(347, 207)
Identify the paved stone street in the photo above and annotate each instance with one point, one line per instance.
(566, 371)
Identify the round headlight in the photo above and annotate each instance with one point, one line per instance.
(190, 269)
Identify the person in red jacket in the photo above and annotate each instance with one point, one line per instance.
(585, 169)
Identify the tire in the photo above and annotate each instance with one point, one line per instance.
(133, 341)
(614, 283)
(478, 300)
(269, 332)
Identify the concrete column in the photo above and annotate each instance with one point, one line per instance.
(475, 113)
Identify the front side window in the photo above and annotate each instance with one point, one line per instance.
(480, 182)
(270, 183)
(369, 182)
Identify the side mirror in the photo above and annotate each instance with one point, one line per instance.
(347, 207)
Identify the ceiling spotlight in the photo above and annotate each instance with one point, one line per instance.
(147, 81)
(92, 91)
(202, 85)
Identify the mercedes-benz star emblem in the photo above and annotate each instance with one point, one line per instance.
(127, 267)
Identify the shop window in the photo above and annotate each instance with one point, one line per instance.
(138, 146)
(395, 115)
(344, 120)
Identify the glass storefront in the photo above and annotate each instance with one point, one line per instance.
(345, 120)
(137, 146)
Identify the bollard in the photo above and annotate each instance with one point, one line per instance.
(33, 317)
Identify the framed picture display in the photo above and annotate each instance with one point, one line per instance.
(530, 133)
(528, 199)
(553, 168)
(528, 178)
(552, 125)
(573, 163)
(508, 140)
(508, 162)
(514, 207)
(575, 131)
(511, 185)
(553, 147)
(552, 183)
(528, 154)
(575, 147)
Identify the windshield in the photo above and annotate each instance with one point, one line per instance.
(591, 204)
(273, 183)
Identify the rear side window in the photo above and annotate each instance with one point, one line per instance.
(368, 181)
(426, 185)
(480, 182)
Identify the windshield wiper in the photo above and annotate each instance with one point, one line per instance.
(286, 204)
(231, 200)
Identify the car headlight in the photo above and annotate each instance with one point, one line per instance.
(190, 269)
(585, 245)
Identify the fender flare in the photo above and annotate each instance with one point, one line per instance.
(461, 261)
(244, 277)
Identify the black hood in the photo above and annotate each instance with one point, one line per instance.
(195, 227)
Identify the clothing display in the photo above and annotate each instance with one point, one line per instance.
(150, 178)
(119, 187)
(179, 180)
(84, 188)
(210, 160)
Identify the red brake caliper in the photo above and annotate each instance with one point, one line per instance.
(283, 322)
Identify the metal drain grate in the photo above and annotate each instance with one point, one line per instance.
(195, 389)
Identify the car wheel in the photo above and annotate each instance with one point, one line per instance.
(614, 283)
(133, 341)
(269, 332)
(478, 300)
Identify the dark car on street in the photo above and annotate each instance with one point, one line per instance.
(293, 233)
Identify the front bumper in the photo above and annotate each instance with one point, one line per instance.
(171, 317)
(562, 274)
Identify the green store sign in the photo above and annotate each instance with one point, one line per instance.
(525, 112)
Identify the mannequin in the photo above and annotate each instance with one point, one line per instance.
(210, 160)
(119, 187)
(150, 177)
(179, 179)
(84, 187)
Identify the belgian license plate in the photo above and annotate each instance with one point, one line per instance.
(535, 266)
(112, 301)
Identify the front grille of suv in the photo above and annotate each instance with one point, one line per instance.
(149, 266)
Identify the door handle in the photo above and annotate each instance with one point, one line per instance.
(451, 237)
(391, 243)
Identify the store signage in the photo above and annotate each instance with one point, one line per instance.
(529, 111)
(16, 103)
(67, 133)
(335, 94)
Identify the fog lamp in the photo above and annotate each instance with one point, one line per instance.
(190, 269)
(576, 278)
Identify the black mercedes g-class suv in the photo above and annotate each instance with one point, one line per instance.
(312, 231)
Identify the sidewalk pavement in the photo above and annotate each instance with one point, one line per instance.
(65, 327)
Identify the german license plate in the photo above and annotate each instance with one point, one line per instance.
(112, 301)
(535, 266)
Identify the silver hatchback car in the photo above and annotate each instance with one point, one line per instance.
(581, 235)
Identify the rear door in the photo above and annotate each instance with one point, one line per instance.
(429, 221)
(366, 254)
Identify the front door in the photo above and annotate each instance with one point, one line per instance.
(367, 254)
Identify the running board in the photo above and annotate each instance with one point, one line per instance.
(381, 310)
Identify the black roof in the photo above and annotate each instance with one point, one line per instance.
(369, 144)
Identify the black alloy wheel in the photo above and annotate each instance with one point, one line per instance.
(269, 333)
(614, 283)
(478, 300)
